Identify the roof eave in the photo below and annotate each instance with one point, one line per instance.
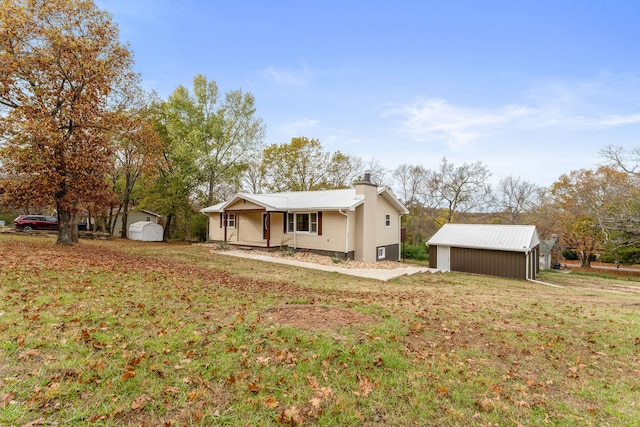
(388, 194)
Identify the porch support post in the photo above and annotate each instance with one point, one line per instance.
(224, 225)
(268, 229)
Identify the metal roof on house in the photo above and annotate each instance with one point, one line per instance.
(512, 238)
(214, 208)
(299, 201)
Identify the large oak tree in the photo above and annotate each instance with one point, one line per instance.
(59, 62)
(594, 204)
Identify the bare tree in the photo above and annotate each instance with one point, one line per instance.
(252, 178)
(459, 189)
(412, 182)
(515, 196)
(626, 160)
(379, 174)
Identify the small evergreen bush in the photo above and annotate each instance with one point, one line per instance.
(419, 252)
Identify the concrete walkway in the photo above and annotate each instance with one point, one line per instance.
(370, 273)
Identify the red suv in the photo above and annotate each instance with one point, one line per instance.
(35, 222)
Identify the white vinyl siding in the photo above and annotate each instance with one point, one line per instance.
(387, 224)
(332, 238)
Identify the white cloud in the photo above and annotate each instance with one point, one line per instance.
(430, 119)
(601, 103)
(613, 121)
(289, 76)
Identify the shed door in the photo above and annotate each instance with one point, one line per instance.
(444, 258)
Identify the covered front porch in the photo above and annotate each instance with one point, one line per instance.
(256, 228)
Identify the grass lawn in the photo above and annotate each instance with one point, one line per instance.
(113, 333)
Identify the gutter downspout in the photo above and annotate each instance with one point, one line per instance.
(346, 235)
(400, 243)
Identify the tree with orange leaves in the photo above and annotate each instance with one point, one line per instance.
(59, 63)
(592, 206)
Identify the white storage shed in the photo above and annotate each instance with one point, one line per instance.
(146, 231)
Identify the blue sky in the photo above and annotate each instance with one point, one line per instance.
(531, 88)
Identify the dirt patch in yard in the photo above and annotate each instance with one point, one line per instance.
(314, 317)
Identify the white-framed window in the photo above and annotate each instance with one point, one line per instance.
(381, 253)
(304, 222)
(231, 220)
(387, 220)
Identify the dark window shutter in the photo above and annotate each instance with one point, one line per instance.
(319, 223)
(221, 219)
(285, 216)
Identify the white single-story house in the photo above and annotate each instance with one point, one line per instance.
(361, 223)
(491, 249)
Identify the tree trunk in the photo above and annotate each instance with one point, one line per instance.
(211, 188)
(64, 226)
(167, 227)
(89, 225)
(585, 259)
(73, 228)
(111, 223)
(125, 217)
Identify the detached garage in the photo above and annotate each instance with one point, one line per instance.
(511, 251)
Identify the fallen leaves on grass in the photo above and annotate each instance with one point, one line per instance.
(271, 402)
(28, 354)
(290, 416)
(140, 401)
(128, 375)
(365, 385)
(6, 398)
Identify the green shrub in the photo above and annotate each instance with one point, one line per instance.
(198, 227)
(570, 254)
(627, 256)
(8, 218)
(419, 252)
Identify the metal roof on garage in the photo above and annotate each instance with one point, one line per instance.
(499, 237)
